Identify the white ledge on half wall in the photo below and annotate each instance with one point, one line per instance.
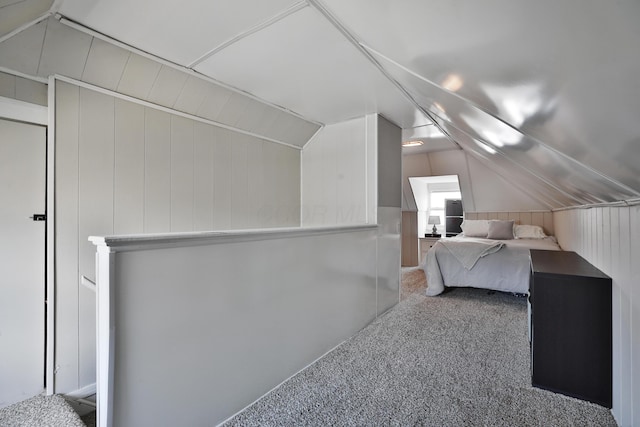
(132, 242)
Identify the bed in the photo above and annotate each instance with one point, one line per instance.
(490, 254)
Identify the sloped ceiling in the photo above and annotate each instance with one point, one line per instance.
(283, 51)
(544, 93)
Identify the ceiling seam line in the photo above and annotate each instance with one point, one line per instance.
(509, 159)
(521, 188)
(23, 75)
(294, 8)
(44, 39)
(495, 117)
(619, 204)
(25, 27)
(360, 47)
(86, 59)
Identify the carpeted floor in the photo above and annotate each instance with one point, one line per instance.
(413, 281)
(40, 411)
(459, 359)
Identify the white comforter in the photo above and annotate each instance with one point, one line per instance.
(501, 265)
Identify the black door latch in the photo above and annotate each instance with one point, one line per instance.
(38, 217)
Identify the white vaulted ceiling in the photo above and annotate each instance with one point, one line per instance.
(180, 32)
(285, 52)
(544, 93)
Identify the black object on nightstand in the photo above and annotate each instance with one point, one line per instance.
(571, 338)
(432, 235)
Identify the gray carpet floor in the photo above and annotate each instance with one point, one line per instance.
(459, 359)
(40, 411)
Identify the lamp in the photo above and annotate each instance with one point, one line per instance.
(435, 220)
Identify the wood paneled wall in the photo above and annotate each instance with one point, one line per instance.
(22, 89)
(609, 238)
(410, 250)
(127, 168)
(542, 219)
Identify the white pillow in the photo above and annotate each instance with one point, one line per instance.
(475, 227)
(529, 232)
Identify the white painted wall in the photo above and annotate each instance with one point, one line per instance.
(482, 189)
(351, 174)
(122, 167)
(197, 337)
(609, 238)
(339, 183)
(413, 165)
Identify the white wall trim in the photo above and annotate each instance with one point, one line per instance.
(621, 203)
(21, 111)
(168, 110)
(511, 211)
(25, 26)
(23, 75)
(126, 243)
(313, 137)
(51, 242)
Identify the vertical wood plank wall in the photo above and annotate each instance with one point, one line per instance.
(609, 238)
(125, 168)
(543, 219)
(22, 89)
(410, 251)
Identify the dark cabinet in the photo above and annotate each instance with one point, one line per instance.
(570, 326)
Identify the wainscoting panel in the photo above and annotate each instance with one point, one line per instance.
(203, 205)
(95, 209)
(128, 209)
(609, 238)
(182, 192)
(127, 168)
(157, 161)
(239, 183)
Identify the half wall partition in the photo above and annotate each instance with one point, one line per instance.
(192, 328)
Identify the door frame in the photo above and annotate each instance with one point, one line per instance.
(20, 111)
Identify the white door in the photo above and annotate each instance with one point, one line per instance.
(22, 260)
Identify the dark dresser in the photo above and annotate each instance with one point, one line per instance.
(570, 326)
